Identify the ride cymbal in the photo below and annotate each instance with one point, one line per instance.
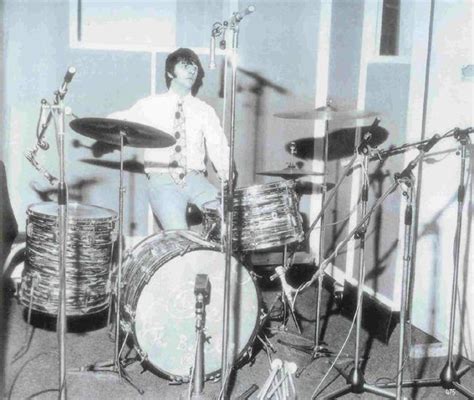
(135, 135)
(340, 143)
(326, 113)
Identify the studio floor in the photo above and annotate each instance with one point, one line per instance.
(31, 367)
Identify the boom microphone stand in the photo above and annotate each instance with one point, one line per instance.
(355, 381)
(233, 24)
(449, 377)
(59, 108)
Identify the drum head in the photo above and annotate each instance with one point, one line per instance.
(165, 314)
(75, 210)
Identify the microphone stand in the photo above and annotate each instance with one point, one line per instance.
(228, 198)
(449, 377)
(355, 381)
(58, 107)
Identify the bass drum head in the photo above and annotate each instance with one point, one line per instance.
(165, 314)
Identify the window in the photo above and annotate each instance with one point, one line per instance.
(390, 29)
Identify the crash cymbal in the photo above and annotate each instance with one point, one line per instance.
(290, 173)
(136, 135)
(128, 165)
(340, 143)
(327, 113)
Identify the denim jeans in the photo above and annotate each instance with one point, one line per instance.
(169, 200)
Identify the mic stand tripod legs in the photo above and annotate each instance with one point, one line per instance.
(356, 381)
(449, 377)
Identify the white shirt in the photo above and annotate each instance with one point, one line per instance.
(203, 130)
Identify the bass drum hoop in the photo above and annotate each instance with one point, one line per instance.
(246, 351)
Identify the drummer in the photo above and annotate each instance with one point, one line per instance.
(177, 175)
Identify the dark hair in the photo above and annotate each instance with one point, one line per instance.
(189, 56)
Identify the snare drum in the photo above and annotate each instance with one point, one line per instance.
(264, 216)
(89, 246)
(158, 303)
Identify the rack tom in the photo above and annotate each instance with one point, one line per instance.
(89, 247)
(264, 216)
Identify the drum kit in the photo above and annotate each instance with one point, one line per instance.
(158, 273)
(265, 217)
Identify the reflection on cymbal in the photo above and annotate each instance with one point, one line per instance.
(135, 135)
(128, 165)
(340, 143)
(290, 173)
(327, 113)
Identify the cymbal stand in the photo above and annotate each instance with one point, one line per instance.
(449, 377)
(115, 366)
(318, 349)
(219, 29)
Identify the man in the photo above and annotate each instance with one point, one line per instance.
(177, 174)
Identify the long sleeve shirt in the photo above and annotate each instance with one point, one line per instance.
(203, 131)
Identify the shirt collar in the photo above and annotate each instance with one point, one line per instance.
(177, 98)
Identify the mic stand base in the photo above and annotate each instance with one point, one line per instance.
(356, 384)
(449, 379)
(108, 367)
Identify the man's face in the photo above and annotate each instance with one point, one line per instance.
(185, 74)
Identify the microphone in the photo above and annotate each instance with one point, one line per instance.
(30, 156)
(239, 15)
(365, 142)
(212, 54)
(461, 132)
(67, 79)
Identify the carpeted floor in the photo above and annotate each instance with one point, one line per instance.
(34, 373)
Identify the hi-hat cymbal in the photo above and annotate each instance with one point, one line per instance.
(290, 173)
(128, 165)
(135, 135)
(327, 113)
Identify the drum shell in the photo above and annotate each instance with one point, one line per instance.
(158, 301)
(264, 216)
(89, 247)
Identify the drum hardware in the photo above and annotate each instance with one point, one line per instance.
(219, 30)
(355, 381)
(120, 133)
(42, 126)
(449, 377)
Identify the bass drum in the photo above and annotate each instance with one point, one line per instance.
(158, 304)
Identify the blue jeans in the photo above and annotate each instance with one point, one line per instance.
(169, 201)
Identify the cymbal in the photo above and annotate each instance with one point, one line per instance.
(128, 165)
(290, 173)
(327, 113)
(135, 135)
(340, 143)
